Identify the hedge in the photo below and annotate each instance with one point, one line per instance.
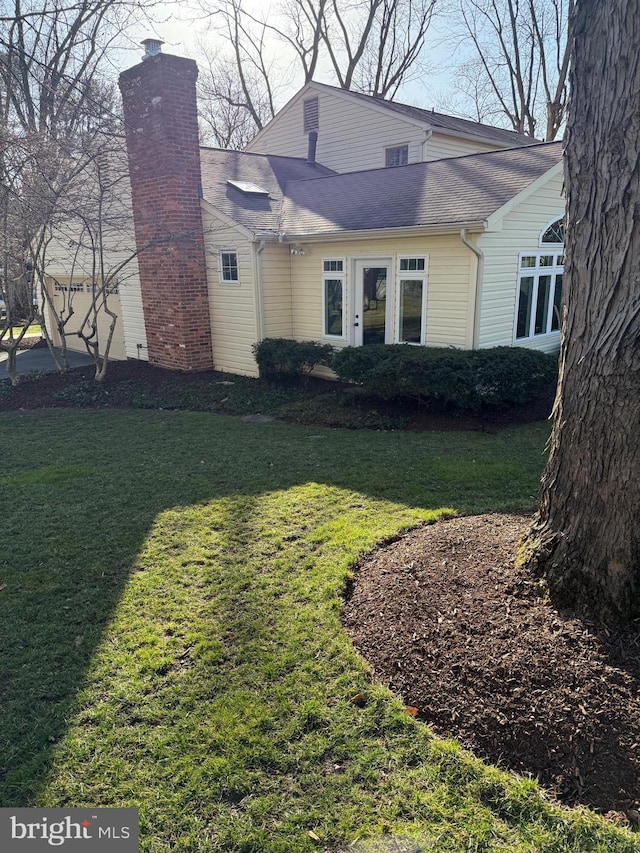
(462, 379)
(282, 357)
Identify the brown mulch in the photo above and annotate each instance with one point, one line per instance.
(40, 392)
(446, 622)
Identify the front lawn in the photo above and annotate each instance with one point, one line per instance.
(171, 636)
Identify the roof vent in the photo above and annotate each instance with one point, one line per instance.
(152, 47)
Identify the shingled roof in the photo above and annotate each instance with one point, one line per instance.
(256, 212)
(458, 126)
(454, 192)
(303, 199)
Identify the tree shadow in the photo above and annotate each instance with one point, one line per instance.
(84, 491)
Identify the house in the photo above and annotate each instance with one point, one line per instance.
(356, 131)
(348, 220)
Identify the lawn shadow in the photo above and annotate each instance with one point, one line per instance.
(83, 490)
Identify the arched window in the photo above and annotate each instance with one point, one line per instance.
(553, 234)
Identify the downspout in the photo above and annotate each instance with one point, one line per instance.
(478, 294)
(258, 291)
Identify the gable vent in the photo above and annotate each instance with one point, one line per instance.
(311, 115)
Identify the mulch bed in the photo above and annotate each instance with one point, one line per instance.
(447, 623)
(37, 393)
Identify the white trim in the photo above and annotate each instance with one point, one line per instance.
(412, 275)
(358, 264)
(535, 273)
(395, 147)
(553, 246)
(228, 282)
(533, 187)
(334, 275)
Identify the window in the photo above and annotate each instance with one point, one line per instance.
(228, 266)
(553, 234)
(311, 114)
(412, 301)
(333, 308)
(539, 300)
(398, 156)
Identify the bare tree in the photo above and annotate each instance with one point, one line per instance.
(85, 254)
(373, 46)
(521, 55)
(377, 45)
(586, 538)
(54, 102)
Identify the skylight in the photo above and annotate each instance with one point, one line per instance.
(248, 188)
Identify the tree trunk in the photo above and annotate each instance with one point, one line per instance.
(586, 536)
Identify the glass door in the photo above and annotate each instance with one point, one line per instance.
(372, 302)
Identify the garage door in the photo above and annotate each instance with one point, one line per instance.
(76, 293)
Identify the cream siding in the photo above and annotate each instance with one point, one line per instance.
(232, 306)
(275, 263)
(127, 304)
(351, 136)
(450, 285)
(520, 232)
(440, 147)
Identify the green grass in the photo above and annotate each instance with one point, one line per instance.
(171, 634)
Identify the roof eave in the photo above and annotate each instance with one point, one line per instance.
(501, 145)
(406, 231)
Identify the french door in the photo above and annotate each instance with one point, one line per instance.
(372, 302)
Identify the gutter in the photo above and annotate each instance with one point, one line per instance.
(257, 296)
(368, 233)
(478, 289)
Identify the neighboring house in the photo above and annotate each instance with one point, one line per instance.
(238, 246)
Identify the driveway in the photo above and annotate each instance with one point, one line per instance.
(39, 360)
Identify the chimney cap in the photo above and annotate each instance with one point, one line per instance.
(152, 47)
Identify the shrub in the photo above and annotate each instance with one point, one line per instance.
(278, 357)
(463, 379)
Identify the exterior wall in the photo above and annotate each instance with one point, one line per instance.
(130, 337)
(450, 285)
(232, 307)
(520, 232)
(351, 136)
(277, 299)
(440, 147)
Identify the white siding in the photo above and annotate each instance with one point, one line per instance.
(450, 286)
(232, 306)
(351, 135)
(440, 147)
(520, 233)
(275, 264)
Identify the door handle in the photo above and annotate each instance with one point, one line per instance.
(356, 324)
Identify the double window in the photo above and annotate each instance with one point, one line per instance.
(412, 300)
(333, 298)
(397, 156)
(228, 266)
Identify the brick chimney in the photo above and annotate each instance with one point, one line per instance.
(160, 113)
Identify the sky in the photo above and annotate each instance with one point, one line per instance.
(181, 25)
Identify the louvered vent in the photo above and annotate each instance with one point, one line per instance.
(311, 115)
